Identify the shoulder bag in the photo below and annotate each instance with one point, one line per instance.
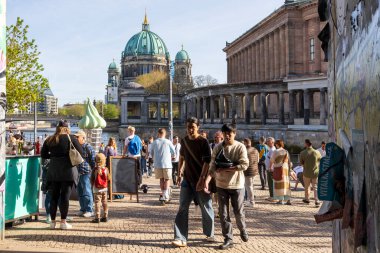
(278, 172)
(75, 156)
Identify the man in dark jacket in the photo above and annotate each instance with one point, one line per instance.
(251, 172)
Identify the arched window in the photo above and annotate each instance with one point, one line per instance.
(183, 71)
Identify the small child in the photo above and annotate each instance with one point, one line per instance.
(99, 181)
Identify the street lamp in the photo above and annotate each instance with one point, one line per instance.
(170, 72)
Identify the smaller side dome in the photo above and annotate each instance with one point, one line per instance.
(182, 56)
(112, 65)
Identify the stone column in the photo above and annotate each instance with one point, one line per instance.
(263, 108)
(276, 57)
(281, 101)
(291, 107)
(266, 58)
(221, 108)
(311, 105)
(198, 108)
(233, 107)
(159, 112)
(282, 52)
(322, 117)
(270, 56)
(212, 109)
(301, 104)
(306, 98)
(258, 63)
(204, 107)
(247, 97)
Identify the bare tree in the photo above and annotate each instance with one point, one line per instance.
(202, 80)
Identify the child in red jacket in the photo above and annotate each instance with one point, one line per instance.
(99, 180)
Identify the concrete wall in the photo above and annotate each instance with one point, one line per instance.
(354, 75)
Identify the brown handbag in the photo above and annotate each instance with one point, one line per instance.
(278, 172)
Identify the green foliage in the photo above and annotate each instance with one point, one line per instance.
(25, 83)
(108, 111)
(154, 82)
(76, 110)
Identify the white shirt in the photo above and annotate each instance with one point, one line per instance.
(267, 158)
(150, 150)
(298, 169)
(323, 152)
(177, 149)
(162, 152)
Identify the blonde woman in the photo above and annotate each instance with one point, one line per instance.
(61, 175)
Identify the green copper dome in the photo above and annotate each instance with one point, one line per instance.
(182, 56)
(112, 65)
(146, 43)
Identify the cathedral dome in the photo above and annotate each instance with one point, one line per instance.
(112, 65)
(146, 43)
(182, 56)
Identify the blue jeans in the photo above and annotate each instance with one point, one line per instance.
(143, 166)
(181, 226)
(85, 193)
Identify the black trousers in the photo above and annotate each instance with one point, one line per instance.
(263, 174)
(174, 172)
(60, 193)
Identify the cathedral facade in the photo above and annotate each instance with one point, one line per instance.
(144, 53)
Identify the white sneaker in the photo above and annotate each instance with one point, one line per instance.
(52, 224)
(65, 226)
(48, 219)
(210, 239)
(179, 243)
(88, 214)
(80, 213)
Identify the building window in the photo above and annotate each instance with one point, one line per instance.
(312, 49)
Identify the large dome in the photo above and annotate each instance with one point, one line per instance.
(146, 43)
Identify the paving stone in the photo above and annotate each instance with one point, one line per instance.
(148, 227)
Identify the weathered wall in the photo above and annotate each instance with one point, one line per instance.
(354, 76)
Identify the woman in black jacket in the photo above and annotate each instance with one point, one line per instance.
(61, 174)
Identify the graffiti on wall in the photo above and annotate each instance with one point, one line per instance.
(356, 96)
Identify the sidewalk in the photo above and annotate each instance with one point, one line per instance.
(148, 227)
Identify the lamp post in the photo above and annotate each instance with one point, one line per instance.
(170, 72)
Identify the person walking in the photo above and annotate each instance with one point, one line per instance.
(175, 159)
(322, 149)
(84, 171)
(269, 168)
(309, 158)
(61, 175)
(195, 155)
(218, 138)
(144, 149)
(162, 152)
(228, 162)
(251, 172)
(263, 151)
(99, 181)
(280, 161)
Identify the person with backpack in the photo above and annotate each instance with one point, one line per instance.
(263, 151)
(84, 171)
(132, 148)
(99, 182)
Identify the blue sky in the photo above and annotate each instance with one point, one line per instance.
(79, 38)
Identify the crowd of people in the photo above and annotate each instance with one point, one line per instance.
(223, 172)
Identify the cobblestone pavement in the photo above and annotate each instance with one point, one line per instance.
(148, 227)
